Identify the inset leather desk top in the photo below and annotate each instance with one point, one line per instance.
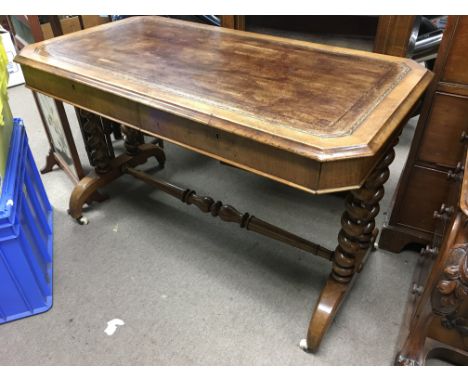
(318, 102)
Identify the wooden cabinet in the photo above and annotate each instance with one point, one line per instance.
(428, 189)
(393, 35)
(436, 322)
(381, 34)
(456, 67)
(448, 118)
(437, 145)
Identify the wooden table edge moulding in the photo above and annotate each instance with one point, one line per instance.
(318, 118)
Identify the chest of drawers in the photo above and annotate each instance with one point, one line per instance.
(437, 146)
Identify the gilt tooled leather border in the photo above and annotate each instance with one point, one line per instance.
(393, 76)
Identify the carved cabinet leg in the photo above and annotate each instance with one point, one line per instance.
(412, 353)
(355, 239)
(442, 309)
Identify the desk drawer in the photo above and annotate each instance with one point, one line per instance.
(447, 120)
(428, 189)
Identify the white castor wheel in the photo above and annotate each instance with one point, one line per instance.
(82, 220)
(303, 345)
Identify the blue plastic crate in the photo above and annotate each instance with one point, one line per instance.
(26, 235)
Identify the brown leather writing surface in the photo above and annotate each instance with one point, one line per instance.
(317, 101)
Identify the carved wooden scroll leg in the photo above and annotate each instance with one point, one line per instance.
(87, 188)
(355, 240)
(50, 162)
(134, 139)
(95, 141)
(413, 352)
(106, 167)
(96, 145)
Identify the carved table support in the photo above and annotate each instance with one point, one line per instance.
(355, 239)
(95, 141)
(133, 138)
(106, 168)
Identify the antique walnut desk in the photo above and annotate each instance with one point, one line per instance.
(317, 118)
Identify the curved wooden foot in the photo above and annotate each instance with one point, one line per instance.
(333, 294)
(413, 352)
(87, 188)
(431, 349)
(355, 240)
(50, 163)
(405, 360)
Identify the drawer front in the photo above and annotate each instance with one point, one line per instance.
(456, 67)
(427, 190)
(448, 118)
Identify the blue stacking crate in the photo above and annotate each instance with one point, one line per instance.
(26, 236)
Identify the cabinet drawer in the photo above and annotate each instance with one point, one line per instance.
(448, 118)
(427, 190)
(456, 67)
